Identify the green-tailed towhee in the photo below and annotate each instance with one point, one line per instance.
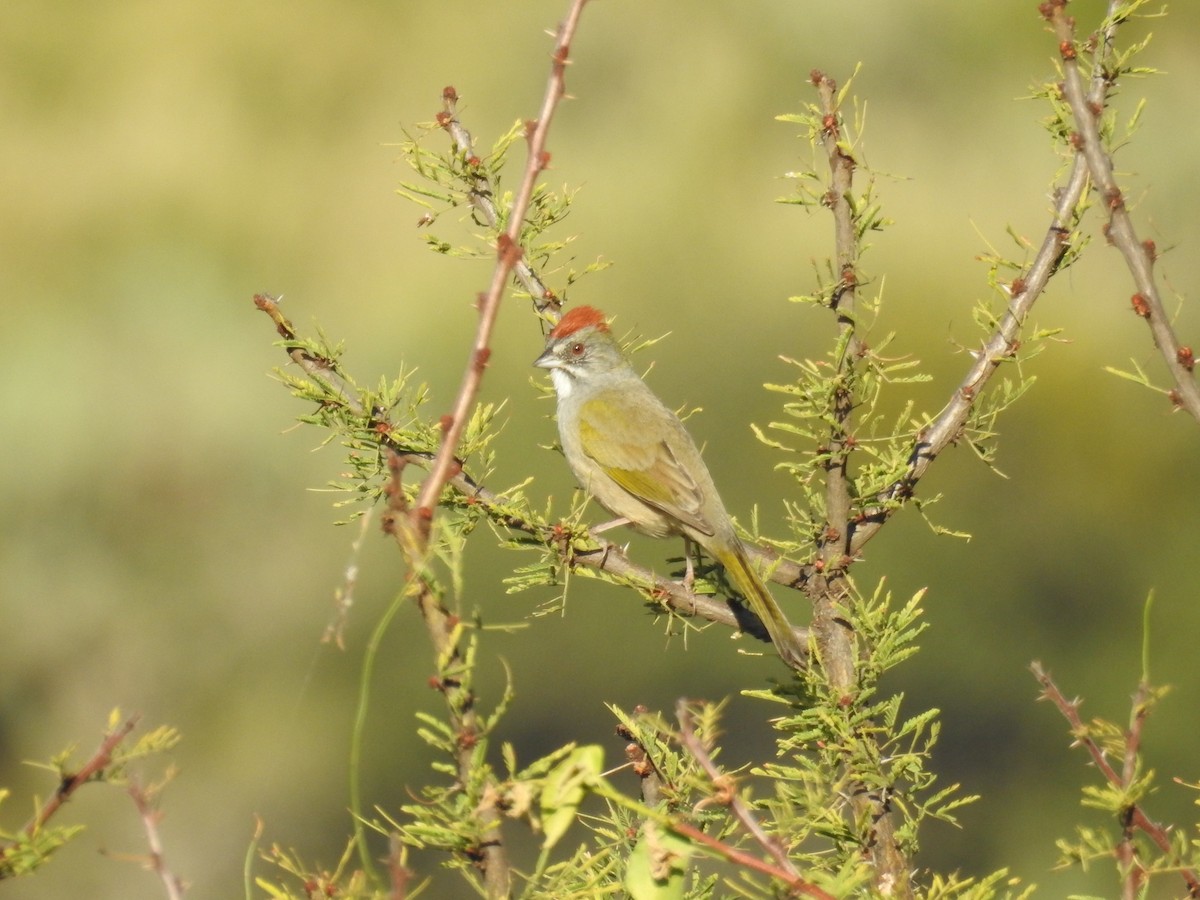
(635, 457)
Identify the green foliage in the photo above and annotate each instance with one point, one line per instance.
(852, 776)
(26, 849)
(24, 852)
(677, 839)
(457, 180)
(864, 737)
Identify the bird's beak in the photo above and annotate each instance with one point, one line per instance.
(547, 360)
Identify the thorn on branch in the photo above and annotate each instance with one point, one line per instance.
(1050, 8)
(508, 250)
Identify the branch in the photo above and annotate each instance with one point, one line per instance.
(318, 368)
(1004, 341)
(1134, 817)
(834, 635)
(481, 198)
(1139, 256)
(784, 869)
(610, 557)
(93, 768)
(445, 634)
(150, 817)
(509, 252)
(411, 527)
(398, 873)
(650, 777)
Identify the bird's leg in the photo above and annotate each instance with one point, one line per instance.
(689, 574)
(605, 526)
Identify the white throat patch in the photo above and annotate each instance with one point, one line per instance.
(562, 382)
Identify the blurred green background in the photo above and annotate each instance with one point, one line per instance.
(160, 551)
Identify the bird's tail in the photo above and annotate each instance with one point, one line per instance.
(754, 591)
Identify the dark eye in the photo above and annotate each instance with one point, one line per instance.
(577, 349)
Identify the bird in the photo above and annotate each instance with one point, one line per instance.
(635, 457)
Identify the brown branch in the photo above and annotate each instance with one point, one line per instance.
(412, 526)
(93, 768)
(610, 557)
(1134, 817)
(834, 638)
(398, 873)
(1127, 858)
(784, 870)
(508, 253)
(318, 368)
(650, 777)
(1139, 257)
(446, 634)
(829, 589)
(481, 196)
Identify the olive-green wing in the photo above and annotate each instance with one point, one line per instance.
(633, 447)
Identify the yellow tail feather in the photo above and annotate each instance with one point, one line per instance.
(741, 573)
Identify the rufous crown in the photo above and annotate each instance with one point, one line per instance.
(579, 317)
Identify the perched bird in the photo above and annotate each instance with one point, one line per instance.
(633, 455)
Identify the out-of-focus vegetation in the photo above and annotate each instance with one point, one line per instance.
(159, 164)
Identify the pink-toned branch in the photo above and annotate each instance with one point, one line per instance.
(508, 254)
(783, 869)
(1134, 818)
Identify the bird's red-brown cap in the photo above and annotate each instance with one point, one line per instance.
(577, 318)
